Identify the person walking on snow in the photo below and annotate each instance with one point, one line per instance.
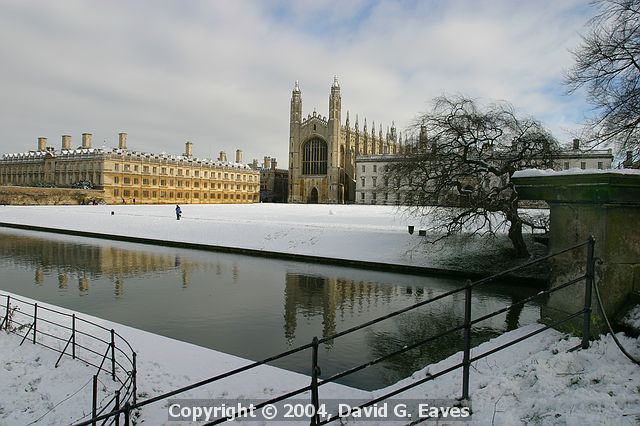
(178, 212)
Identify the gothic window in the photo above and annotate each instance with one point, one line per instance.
(314, 157)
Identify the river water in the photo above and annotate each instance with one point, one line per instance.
(254, 307)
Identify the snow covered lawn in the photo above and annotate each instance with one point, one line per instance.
(353, 232)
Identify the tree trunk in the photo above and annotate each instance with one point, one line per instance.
(515, 235)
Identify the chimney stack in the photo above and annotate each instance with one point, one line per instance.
(66, 142)
(267, 163)
(274, 164)
(122, 140)
(86, 140)
(42, 144)
(223, 156)
(238, 156)
(629, 160)
(254, 164)
(576, 144)
(188, 150)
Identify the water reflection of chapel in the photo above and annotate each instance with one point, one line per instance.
(311, 296)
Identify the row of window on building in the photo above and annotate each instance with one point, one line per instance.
(128, 168)
(135, 193)
(385, 198)
(583, 165)
(179, 183)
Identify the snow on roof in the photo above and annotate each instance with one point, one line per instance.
(122, 152)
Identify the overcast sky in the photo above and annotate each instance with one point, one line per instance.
(220, 73)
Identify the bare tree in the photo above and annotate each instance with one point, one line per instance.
(608, 67)
(464, 158)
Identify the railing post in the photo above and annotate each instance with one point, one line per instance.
(588, 286)
(127, 413)
(94, 399)
(35, 318)
(315, 371)
(466, 363)
(113, 355)
(134, 373)
(117, 407)
(6, 315)
(73, 336)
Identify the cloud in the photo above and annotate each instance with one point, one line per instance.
(220, 73)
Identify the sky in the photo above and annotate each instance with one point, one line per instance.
(220, 73)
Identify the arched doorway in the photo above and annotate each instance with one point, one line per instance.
(313, 197)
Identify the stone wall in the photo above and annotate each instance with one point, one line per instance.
(19, 195)
(604, 205)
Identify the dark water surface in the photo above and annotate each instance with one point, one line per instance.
(253, 307)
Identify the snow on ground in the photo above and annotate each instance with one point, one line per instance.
(34, 392)
(632, 319)
(352, 232)
(539, 381)
(163, 365)
(535, 382)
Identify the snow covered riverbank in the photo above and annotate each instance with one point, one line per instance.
(361, 233)
(537, 381)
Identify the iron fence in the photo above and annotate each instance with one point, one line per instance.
(81, 339)
(465, 364)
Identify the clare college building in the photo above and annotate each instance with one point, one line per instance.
(126, 176)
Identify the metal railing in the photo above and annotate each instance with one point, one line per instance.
(465, 327)
(91, 343)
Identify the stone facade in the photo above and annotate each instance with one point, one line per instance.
(274, 182)
(602, 205)
(30, 196)
(372, 187)
(322, 151)
(128, 176)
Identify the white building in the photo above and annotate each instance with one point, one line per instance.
(578, 158)
(372, 186)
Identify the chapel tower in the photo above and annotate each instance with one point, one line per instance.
(322, 151)
(318, 153)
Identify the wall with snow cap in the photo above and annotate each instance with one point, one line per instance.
(602, 204)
